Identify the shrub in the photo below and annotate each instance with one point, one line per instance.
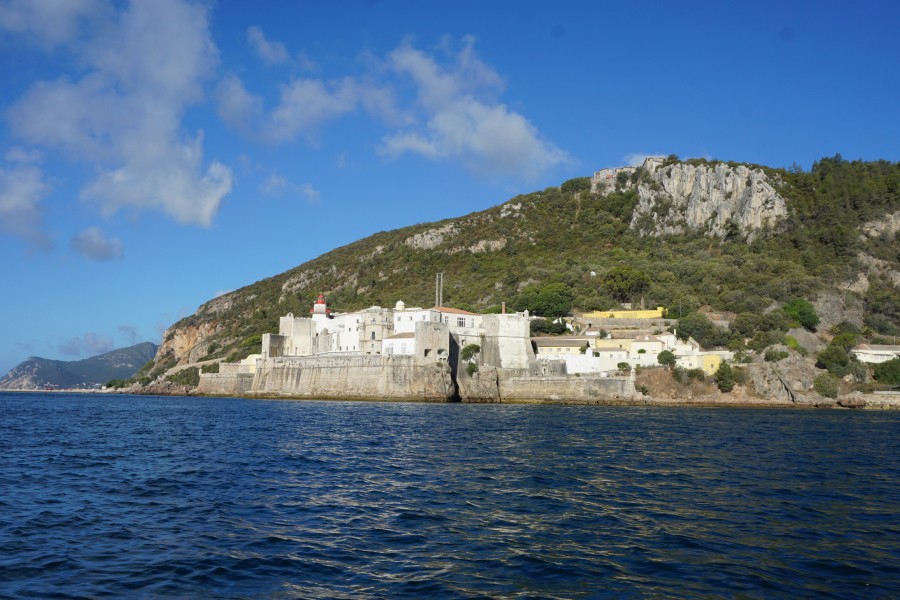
(725, 377)
(888, 372)
(834, 359)
(773, 355)
(624, 367)
(845, 341)
(696, 375)
(794, 345)
(189, 376)
(802, 312)
(213, 368)
(826, 386)
(764, 339)
(471, 369)
(667, 358)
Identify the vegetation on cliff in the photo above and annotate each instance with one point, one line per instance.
(566, 248)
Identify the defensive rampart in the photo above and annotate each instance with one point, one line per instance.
(354, 377)
(566, 388)
(225, 384)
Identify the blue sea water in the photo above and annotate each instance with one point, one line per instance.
(151, 497)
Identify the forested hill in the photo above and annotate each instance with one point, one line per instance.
(734, 237)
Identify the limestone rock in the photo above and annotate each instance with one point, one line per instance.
(481, 387)
(786, 381)
(888, 226)
(853, 400)
(718, 198)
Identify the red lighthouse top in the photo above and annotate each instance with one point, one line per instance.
(320, 307)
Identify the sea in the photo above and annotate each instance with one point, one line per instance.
(110, 496)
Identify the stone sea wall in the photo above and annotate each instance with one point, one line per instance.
(355, 377)
(569, 389)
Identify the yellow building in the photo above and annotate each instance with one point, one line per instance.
(625, 314)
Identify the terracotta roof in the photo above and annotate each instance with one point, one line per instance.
(454, 311)
(401, 336)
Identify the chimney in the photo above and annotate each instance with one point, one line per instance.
(503, 308)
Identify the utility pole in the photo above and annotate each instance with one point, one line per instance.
(439, 289)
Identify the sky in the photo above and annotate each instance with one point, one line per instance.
(157, 153)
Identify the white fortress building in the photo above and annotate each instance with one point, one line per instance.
(430, 334)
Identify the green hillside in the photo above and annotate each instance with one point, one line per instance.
(582, 241)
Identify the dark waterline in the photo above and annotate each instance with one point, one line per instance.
(118, 496)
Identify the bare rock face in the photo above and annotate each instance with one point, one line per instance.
(719, 199)
(479, 387)
(888, 227)
(188, 343)
(788, 381)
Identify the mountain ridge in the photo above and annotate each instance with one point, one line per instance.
(575, 234)
(38, 373)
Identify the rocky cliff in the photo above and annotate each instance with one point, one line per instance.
(717, 198)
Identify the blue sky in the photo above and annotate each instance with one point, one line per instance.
(156, 153)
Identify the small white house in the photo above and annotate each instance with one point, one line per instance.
(875, 353)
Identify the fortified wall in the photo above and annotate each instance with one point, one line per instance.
(355, 377)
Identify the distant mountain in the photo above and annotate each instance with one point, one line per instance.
(38, 373)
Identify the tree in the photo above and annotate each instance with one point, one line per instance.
(666, 358)
(624, 283)
(469, 352)
(888, 372)
(698, 326)
(725, 377)
(553, 300)
(802, 312)
(834, 358)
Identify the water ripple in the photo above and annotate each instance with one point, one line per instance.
(223, 498)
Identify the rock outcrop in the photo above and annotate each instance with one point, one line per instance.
(718, 198)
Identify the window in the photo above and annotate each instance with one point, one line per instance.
(373, 335)
(460, 322)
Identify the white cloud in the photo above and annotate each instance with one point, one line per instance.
(90, 344)
(236, 106)
(92, 244)
(455, 114)
(22, 187)
(144, 68)
(271, 52)
(131, 333)
(306, 63)
(311, 194)
(276, 185)
(49, 22)
(463, 121)
(304, 105)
